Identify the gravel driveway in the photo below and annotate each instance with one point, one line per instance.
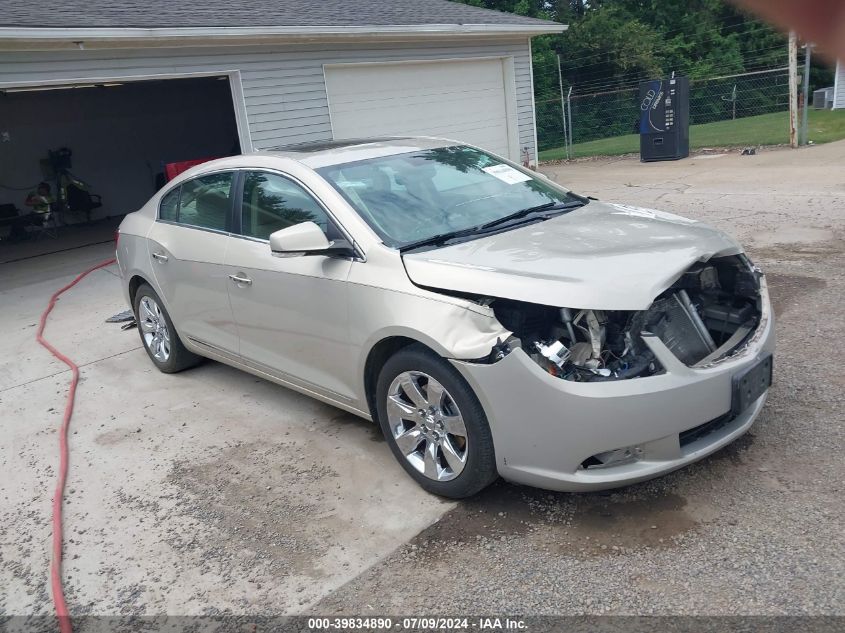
(755, 529)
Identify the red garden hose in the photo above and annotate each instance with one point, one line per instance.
(56, 567)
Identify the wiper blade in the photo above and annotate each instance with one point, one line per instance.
(439, 239)
(549, 206)
(442, 238)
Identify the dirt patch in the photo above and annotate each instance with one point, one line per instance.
(267, 499)
(501, 509)
(785, 290)
(568, 524)
(798, 251)
(110, 438)
(614, 524)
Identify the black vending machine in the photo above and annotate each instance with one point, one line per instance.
(664, 119)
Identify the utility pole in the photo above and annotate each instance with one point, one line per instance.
(569, 114)
(793, 89)
(805, 130)
(563, 109)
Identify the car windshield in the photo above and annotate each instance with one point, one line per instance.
(411, 197)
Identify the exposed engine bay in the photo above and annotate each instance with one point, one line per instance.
(706, 315)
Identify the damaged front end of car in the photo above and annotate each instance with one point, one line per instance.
(709, 313)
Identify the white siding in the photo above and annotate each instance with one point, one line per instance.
(839, 87)
(283, 86)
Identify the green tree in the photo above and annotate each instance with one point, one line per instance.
(612, 45)
(606, 47)
(617, 42)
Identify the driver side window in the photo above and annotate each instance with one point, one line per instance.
(272, 202)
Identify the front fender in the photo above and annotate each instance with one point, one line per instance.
(452, 328)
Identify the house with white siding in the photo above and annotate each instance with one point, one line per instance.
(130, 87)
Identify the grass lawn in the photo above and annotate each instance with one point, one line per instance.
(766, 129)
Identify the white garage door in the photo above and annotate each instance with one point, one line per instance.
(462, 100)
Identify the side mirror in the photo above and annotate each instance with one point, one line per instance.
(305, 238)
(299, 239)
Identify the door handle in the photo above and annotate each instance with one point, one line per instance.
(241, 280)
(160, 257)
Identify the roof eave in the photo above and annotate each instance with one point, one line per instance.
(10, 35)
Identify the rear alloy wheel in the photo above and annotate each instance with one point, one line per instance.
(434, 424)
(153, 328)
(158, 335)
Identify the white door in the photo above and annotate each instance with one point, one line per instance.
(469, 101)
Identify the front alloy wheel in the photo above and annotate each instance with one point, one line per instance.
(427, 425)
(434, 423)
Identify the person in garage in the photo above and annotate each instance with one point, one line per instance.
(40, 199)
(39, 203)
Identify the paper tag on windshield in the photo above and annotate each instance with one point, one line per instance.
(506, 173)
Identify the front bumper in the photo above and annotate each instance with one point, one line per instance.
(544, 427)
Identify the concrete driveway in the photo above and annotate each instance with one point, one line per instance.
(213, 490)
(207, 490)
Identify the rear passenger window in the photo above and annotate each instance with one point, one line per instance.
(206, 201)
(272, 202)
(169, 208)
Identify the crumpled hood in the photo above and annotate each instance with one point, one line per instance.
(601, 256)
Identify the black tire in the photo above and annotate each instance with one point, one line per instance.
(479, 470)
(179, 358)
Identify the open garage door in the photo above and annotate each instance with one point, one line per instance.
(113, 140)
(467, 100)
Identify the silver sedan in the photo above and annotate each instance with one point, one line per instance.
(490, 321)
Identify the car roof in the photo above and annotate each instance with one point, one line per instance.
(337, 152)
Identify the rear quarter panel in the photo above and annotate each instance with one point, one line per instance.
(132, 256)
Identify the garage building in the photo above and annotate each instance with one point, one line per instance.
(131, 87)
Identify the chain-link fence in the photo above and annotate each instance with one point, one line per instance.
(605, 114)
